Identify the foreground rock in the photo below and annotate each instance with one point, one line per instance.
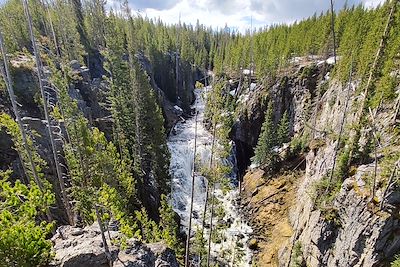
(82, 247)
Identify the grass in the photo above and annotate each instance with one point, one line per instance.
(323, 194)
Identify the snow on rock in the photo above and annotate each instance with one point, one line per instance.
(331, 60)
(178, 108)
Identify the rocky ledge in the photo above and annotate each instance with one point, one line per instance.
(82, 247)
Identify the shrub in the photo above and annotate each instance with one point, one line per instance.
(199, 85)
(22, 239)
(396, 262)
(324, 191)
(297, 255)
(342, 167)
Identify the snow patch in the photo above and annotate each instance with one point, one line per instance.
(178, 108)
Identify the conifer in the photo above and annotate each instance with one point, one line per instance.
(266, 141)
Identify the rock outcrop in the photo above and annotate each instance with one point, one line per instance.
(90, 91)
(83, 247)
(293, 93)
(352, 230)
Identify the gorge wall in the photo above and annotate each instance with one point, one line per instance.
(291, 225)
(90, 90)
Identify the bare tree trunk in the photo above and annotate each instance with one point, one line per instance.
(7, 78)
(103, 237)
(251, 51)
(53, 33)
(46, 113)
(211, 224)
(187, 254)
(333, 30)
(177, 74)
(375, 170)
(342, 123)
(390, 183)
(208, 183)
(376, 60)
(210, 166)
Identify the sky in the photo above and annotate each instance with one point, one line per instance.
(236, 14)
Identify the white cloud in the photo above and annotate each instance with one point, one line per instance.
(237, 13)
(234, 13)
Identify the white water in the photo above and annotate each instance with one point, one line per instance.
(181, 146)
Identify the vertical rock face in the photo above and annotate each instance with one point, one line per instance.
(352, 230)
(293, 94)
(359, 234)
(90, 91)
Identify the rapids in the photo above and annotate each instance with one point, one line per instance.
(181, 146)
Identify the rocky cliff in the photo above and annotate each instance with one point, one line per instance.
(89, 89)
(359, 225)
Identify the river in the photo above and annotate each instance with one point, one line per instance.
(233, 250)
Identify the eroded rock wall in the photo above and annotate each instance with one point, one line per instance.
(355, 232)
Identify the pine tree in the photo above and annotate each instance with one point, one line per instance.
(283, 130)
(24, 138)
(169, 227)
(50, 121)
(95, 22)
(266, 141)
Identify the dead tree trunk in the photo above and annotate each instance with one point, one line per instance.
(342, 123)
(7, 78)
(390, 183)
(187, 254)
(376, 60)
(47, 115)
(372, 72)
(53, 33)
(210, 166)
(333, 31)
(211, 224)
(103, 237)
(208, 183)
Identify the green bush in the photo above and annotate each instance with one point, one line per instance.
(396, 262)
(298, 145)
(297, 255)
(342, 167)
(323, 194)
(199, 85)
(324, 191)
(23, 240)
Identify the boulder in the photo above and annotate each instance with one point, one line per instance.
(82, 247)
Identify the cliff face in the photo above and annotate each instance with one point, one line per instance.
(293, 94)
(352, 230)
(91, 94)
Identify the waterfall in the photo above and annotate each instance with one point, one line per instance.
(181, 146)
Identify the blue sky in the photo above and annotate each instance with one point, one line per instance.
(234, 13)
